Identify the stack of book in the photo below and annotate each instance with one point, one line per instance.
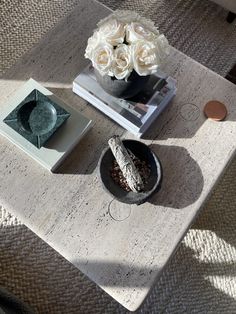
(135, 114)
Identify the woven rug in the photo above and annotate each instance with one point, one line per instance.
(201, 277)
(195, 27)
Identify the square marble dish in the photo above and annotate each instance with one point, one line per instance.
(36, 118)
(55, 145)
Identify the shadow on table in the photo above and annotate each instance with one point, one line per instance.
(182, 120)
(182, 182)
(59, 57)
(179, 120)
(84, 157)
(41, 277)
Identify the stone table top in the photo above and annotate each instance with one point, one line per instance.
(123, 248)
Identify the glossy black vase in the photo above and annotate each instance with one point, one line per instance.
(121, 88)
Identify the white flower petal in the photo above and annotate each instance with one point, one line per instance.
(124, 42)
(102, 58)
(136, 31)
(145, 57)
(122, 62)
(113, 31)
(93, 42)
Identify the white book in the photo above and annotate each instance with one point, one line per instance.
(61, 143)
(135, 114)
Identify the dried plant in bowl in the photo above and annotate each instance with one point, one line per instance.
(142, 191)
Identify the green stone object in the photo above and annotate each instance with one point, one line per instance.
(36, 118)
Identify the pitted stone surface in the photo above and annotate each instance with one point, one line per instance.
(189, 112)
(69, 209)
(119, 211)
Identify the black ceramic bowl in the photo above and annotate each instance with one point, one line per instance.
(143, 152)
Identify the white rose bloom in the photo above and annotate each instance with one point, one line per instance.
(145, 57)
(113, 31)
(102, 59)
(125, 41)
(162, 46)
(93, 41)
(122, 63)
(136, 31)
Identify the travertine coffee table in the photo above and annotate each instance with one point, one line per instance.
(122, 248)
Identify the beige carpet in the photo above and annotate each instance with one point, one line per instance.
(201, 277)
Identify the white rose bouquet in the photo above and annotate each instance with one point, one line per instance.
(125, 42)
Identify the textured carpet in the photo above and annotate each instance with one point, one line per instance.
(201, 277)
(195, 27)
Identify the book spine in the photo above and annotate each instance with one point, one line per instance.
(162, 106)
(22, 148)
(77, 89)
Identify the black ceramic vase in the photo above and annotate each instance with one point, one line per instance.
(121, 88)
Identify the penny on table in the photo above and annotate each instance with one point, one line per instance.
(215, 110)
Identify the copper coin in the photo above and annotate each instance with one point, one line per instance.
(215, 110)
